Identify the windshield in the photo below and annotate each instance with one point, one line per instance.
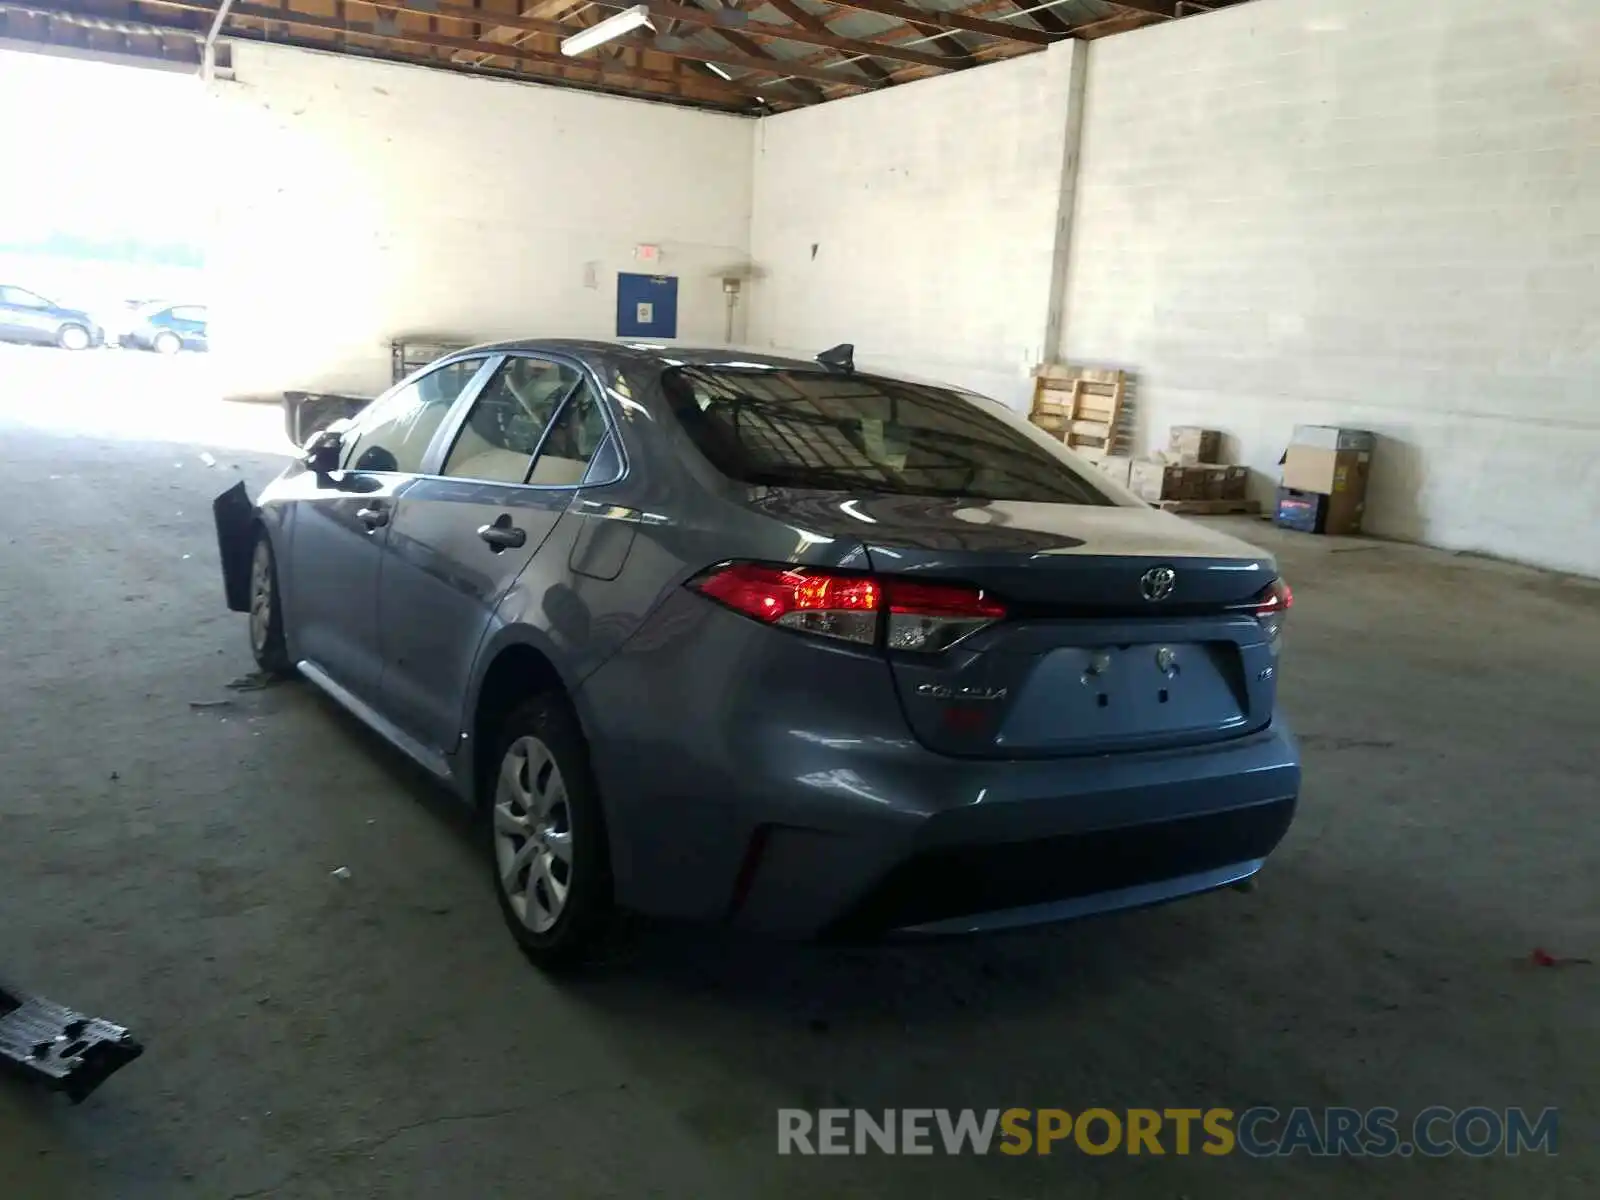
(822, 429)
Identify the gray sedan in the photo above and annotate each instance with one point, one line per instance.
(774, 642)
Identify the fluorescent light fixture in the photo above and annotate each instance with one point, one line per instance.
(719, 71)
(623, 22)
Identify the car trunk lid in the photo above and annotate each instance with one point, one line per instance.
(1125, 628)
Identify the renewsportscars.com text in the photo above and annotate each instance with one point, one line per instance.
(1259, 1132)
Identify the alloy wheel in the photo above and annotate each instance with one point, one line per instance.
(261, 597)
(74, 338)
(533, 834)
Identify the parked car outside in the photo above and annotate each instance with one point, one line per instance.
(26, 316)
(776, 643)
(168, 328)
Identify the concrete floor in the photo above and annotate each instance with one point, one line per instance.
(380, 1037)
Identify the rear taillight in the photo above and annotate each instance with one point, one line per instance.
(916, 616)
(1270, 608)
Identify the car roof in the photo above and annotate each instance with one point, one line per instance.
(657, 354)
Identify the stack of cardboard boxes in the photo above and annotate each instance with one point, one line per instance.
(1187, 470)
(1325, 479)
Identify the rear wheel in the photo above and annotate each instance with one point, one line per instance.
(548, 835)
(73, 337)
(167, 343)
(267, 642)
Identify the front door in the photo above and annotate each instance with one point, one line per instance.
(459, 539)
(342, 526)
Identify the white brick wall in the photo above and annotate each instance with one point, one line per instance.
(1381, 213)
(917, 222)
(363, 200)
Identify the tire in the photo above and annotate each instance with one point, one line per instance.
(73, 337)
(267, 642)
(542, 794)
(166, 343)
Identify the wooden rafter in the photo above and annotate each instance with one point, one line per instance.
(511, 34)
(813, 33)
(955, 52)
(685, 58)
(1156, 8)
(950, 21)
(1042, 17)
(754, 49)
(737, 91)
(805, 20)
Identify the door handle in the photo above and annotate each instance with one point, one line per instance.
(373, 518)
(502, 534)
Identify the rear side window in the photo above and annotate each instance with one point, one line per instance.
(500, 434)
(820, 429)
(574, 439)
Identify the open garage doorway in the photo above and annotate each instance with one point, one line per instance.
(107, 276)
(106, 208)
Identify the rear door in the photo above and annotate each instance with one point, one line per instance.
(339, 529)
(462, 535)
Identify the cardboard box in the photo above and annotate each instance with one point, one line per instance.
(1212, 479)
(1235, 483)
(1191, 444)
(1332, 437)
(1117, 466)
(1318, 512)
(1156, 481)
(1331, 472)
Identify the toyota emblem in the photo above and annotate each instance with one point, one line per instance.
(1157, 583)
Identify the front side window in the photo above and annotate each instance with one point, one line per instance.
(393, 434)
(498, 439)
(824, 430)
(189, 312)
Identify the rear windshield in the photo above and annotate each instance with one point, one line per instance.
(820, 429)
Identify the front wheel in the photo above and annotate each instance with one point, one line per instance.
(267, 641)
(167, 343)
(548, 835)
(73, 337)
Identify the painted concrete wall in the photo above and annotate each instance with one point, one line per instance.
(365, 200)
(918, 222)
(1381, 215)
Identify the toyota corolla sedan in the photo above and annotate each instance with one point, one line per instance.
(776, 643)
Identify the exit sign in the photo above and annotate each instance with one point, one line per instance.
(647, 254)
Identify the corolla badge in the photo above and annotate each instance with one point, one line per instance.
(943, 691)
(1157, 583)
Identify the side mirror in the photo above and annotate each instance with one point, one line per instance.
(323, 449)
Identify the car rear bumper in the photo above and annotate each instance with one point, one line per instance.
(787, 795)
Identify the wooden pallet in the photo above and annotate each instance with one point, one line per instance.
(1210, 508)
(1086, 407)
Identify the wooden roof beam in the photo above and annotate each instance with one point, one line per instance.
(951, 22)
(813, 34)
(807, 21)
(755, 49)
(1043, 18)
(1156, 8)
(735, 92)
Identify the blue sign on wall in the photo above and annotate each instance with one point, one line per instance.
(647, 305)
